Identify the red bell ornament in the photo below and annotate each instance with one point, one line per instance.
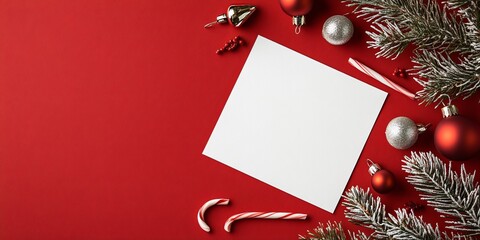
(457, 137)
(383, 180)
(297, 9)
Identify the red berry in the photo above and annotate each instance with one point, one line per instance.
(396, 72)
(231, 45)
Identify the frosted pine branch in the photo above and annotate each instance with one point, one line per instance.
(437, 33)
(389, 39)
(426, 25)
(454, 195)
(333, 231)
(408, 226)
(363, 209)
(454, 79)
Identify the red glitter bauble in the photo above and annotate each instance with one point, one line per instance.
(296, 7)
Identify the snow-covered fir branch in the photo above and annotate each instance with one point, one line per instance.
(446, 40)
(455, 196)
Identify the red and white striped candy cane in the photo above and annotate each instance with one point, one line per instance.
(370, 72)
(201, 212)
(263, 215)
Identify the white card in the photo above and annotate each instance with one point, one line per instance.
(295, 124)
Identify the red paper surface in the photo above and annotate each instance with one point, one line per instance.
(106, 107)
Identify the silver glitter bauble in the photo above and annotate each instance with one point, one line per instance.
(337, 30)
(402, 132)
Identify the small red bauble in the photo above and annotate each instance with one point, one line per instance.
(383, 180)
(456, 137)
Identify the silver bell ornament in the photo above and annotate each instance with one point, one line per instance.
(402, 132)
(236, 15)
(337, 30)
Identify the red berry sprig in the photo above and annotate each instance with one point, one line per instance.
(400, 72)
(231, 45)
(410, 205)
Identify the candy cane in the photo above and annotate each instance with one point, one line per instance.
(201, 212)
(370, 72)
(263, 215)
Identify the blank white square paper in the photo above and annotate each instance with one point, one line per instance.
(295, 124)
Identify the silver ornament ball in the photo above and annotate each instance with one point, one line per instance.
(337, 30)
(402, 132)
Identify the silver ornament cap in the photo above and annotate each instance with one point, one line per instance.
(337, 30)
(449, 111)
(298, 20)
(402, 132)
(372, 167)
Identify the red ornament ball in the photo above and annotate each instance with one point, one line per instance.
(296, 7)
(457, 138)
(383, 181)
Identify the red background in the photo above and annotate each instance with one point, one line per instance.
(106, 107)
